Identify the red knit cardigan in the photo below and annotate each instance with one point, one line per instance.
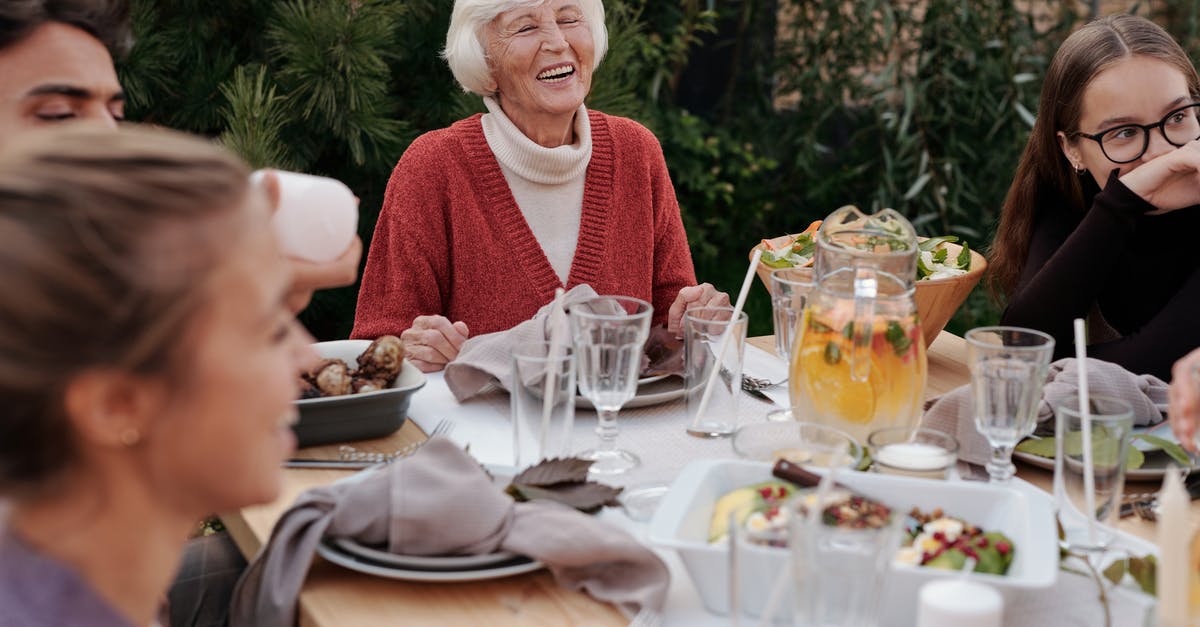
(451, 240)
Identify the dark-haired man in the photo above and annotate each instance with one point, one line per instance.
(56, 62)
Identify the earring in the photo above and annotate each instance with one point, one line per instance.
(130, 436)
(1080, 170)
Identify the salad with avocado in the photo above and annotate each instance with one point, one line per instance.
(935, 259)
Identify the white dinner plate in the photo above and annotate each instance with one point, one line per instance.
(421, 562)
(651, 391)
(1157, 462)
(505, 569)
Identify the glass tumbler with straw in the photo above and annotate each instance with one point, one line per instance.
(609, 333)
(1008, 369)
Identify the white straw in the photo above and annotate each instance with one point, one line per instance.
(1085, 417)
(550, 383)
(737, 312)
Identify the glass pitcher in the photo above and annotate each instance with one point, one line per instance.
(858, 363)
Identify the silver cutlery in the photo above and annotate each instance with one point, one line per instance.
(351, 458)
(1144, 505)
(756, 384)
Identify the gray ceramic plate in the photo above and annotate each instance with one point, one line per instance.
(518, 566)
(651, 391)
(1157, 462)
(421, 562)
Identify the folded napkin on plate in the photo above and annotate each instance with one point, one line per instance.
(952, 412)
(440, 502)
(485, 361)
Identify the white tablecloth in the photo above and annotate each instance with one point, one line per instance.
(657, 435)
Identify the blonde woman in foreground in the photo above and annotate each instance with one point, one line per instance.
(147, 363)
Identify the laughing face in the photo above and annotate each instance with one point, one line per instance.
(541, 60)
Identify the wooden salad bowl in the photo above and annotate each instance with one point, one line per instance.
(937, 299)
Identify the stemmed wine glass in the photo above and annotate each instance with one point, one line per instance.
(1008, 369)
(609, 333)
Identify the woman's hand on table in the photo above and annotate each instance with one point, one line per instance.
(1170, 181)
(1183, 404)
(703, 295)
(309, 276)
(433, 341)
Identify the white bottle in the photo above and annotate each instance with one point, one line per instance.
(316, 218)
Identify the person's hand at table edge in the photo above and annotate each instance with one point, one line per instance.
(309, 276)
(433, 341)
(703, 295)
(1183, 400)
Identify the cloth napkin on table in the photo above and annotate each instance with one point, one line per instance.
(439, 501)
(485, 361)
(952, 412)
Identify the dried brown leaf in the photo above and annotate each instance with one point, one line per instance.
(587, 496)
(551, 471)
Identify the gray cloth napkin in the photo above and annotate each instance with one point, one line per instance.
(440, 502)
(952, 412)
(485, 361)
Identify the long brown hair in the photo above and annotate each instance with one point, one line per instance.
(108, 242)
(1045, 180)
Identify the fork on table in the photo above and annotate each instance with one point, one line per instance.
(351, 458)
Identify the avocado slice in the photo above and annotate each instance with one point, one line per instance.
(742, 502)
(950, 559)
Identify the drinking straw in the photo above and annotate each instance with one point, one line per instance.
(737, 312)
(550, 383)
(1085, 417)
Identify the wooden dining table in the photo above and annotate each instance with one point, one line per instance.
(334, 596)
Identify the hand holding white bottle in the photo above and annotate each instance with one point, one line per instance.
(316, 218)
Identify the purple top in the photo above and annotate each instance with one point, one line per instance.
(38, 590)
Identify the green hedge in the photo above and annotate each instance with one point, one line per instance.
(797, 107)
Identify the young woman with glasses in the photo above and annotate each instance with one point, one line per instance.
(1100, 221)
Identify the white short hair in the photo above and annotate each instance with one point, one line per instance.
(465, 51)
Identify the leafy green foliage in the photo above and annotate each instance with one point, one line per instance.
(923, 106)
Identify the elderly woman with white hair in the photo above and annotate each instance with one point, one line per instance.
(484, 220)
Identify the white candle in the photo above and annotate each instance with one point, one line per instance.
(1174, 536)
(914, 456)
(958, 603)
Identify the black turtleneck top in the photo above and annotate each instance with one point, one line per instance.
(1141, 272)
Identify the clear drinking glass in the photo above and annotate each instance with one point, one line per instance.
(1112, 422)
(543, 402)
(840, 572)
(713, 348)
(1008, 369)
(609, 333)
(789, 295)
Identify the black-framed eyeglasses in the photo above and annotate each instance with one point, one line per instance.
(1128, 142)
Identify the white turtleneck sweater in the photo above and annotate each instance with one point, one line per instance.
(547, 183)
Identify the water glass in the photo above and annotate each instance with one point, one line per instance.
(543, 402)
(789, 294)
(713, 344)
(609, 333)
(840, 572)
(1112, 423)
(912, 452)
(1008, 369)
(760, 575)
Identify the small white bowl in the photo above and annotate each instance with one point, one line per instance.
(1024, 515)
(355, 416)
(806, 443)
